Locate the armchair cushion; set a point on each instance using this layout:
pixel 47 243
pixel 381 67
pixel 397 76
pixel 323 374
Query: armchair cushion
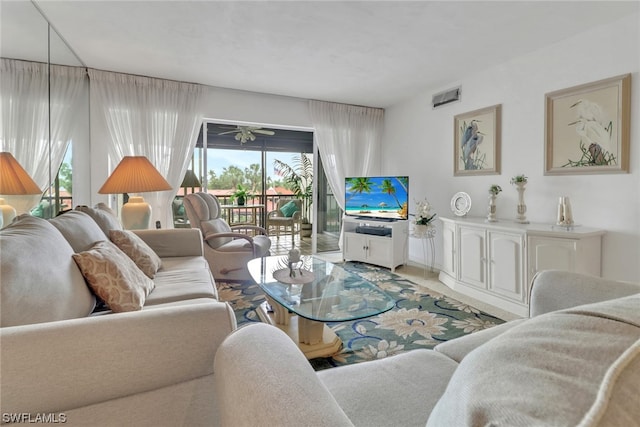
pixel 114 277
pixel 136 249
pixel 216 226
pixel 227 249
pixel 289 209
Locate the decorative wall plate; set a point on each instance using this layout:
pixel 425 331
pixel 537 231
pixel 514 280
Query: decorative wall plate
pixel 460 203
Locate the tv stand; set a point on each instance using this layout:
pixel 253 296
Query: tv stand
pixel 368 218
pixel 388 250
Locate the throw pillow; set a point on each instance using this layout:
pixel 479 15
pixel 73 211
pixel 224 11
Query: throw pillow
pixel 114 277
pixel 289 209
pixel 136 249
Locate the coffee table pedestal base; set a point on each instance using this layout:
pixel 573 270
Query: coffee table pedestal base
pixel 315 339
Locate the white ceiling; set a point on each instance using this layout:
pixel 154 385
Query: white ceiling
pixel 372 53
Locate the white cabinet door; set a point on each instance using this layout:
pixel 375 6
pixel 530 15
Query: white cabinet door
pixel 506 265
pixel 355 246
pixel 449 253
pixel 472 257
pixel 379 250
pixel 549 253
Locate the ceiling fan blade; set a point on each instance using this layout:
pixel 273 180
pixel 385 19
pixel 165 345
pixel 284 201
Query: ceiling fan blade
pixel 264 132
pixel 226 133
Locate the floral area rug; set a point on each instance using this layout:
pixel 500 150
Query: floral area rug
pixel 421 318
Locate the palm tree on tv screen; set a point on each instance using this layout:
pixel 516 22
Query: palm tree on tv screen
pixel 388 188
pixel 358 186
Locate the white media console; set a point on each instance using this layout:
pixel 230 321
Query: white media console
pixel 382 243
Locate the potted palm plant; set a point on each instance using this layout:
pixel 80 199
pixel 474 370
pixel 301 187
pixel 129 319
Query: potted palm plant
pixel 299 178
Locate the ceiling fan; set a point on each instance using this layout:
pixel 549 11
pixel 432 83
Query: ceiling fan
pixel 246 133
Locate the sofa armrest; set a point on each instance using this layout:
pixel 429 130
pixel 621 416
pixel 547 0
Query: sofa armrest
pixel 173 242
pixel 553 290
pixel 59 366
pixel 261 361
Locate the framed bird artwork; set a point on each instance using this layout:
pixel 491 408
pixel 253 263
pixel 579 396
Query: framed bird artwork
pixel 588 128
pixel 477 142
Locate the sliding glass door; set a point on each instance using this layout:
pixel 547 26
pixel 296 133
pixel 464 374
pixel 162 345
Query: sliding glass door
pixel 273 164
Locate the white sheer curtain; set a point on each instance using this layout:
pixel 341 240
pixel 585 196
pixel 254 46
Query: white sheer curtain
pixel 349 140
pixel 26 117
pixel 150 117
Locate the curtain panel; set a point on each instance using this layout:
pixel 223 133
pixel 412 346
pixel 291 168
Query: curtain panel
pixel 348 138
pixel 36 125
pixel 156 118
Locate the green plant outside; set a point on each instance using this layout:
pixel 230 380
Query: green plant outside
pixel 299 178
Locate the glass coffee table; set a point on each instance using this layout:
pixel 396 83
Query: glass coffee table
pixel 317 292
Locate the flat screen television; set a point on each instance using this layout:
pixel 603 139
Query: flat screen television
pixel 377 197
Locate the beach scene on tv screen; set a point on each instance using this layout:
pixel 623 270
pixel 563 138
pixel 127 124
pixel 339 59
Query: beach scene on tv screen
pixel 377 197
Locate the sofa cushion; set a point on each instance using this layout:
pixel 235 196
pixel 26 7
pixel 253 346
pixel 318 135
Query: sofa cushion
pixel 184 263
pixel 550 370
pixel 103 216
pixel 136 249
pixel 80 230
pixel 177 285
pixel 114 277
pixel 40 281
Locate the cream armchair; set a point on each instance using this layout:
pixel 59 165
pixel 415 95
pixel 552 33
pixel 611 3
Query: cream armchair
pixel 286 217
pixel 227 249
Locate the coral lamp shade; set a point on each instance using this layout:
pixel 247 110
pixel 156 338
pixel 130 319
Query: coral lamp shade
pixel 134 174
pixel 14 180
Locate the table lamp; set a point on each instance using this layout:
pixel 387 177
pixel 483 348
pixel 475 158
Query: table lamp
pixel 14 181
pixel 190 180
pixel 135 174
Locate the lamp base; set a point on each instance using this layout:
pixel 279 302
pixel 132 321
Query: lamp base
pixel 7 213
pixel 136 214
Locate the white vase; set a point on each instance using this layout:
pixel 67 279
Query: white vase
pixel 565 216
pixel 491 217
pixel 423 231
pixel 420 229
pixel 522 208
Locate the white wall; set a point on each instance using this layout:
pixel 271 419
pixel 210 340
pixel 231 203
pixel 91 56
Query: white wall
pixel 608 201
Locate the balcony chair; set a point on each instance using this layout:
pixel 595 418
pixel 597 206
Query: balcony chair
pixel 287 217
pixel 227 249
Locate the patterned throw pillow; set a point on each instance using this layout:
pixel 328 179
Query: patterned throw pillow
pixel 289 209
pixel 114 277
pixel 136 249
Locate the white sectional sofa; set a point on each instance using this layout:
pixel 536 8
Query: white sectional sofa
pixel 62 360
pixel 565 366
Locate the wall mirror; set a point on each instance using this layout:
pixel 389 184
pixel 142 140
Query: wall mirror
pixel 44 116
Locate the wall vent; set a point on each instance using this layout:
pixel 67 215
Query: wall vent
pixel 442 98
